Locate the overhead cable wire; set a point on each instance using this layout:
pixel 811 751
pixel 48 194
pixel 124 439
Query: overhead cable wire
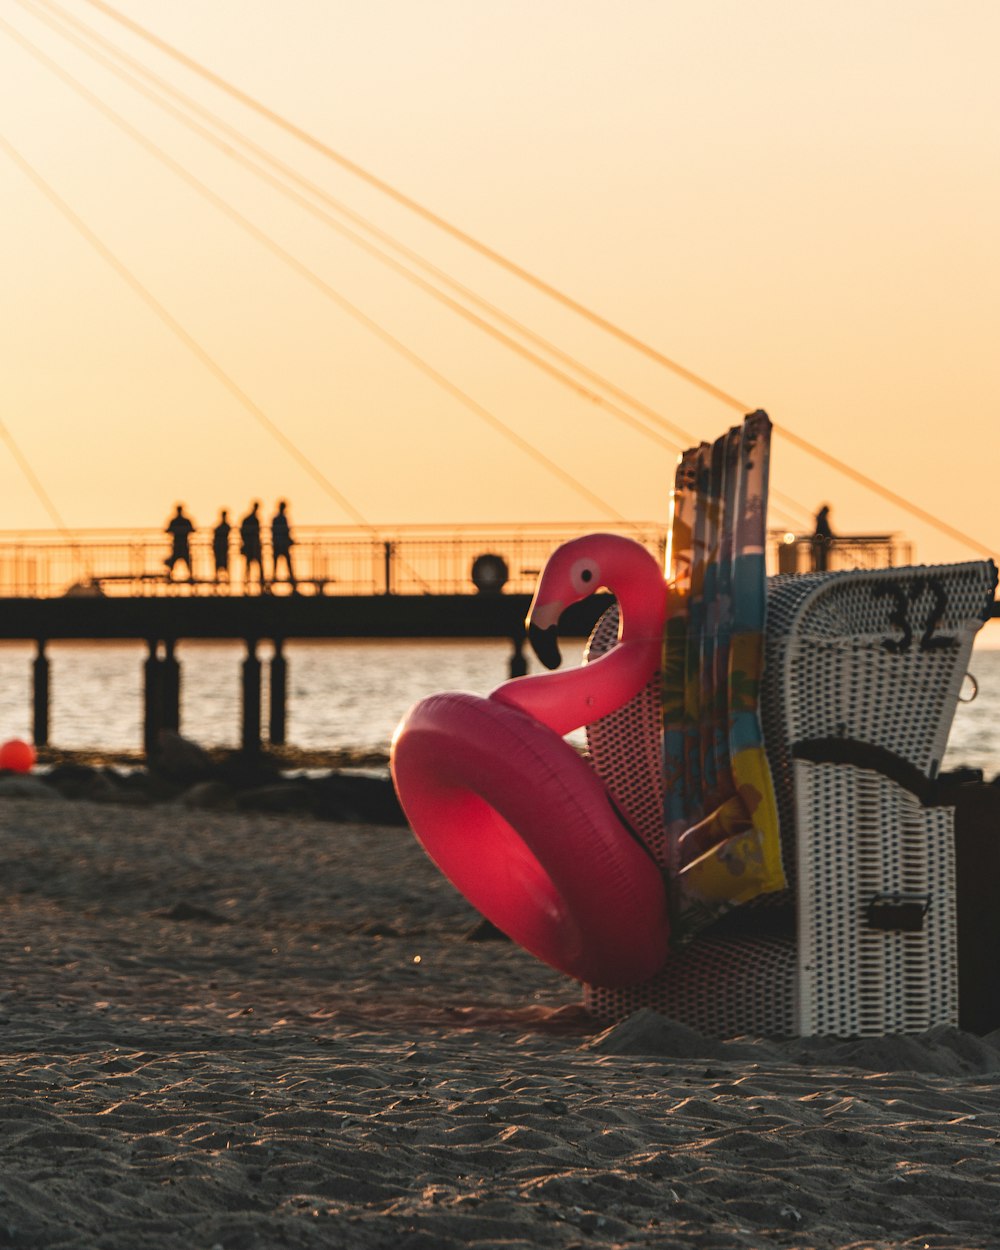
pixel 513 268
pixel 364 244
pixel 32 479
pixel 684 436
pixel 408 274
pixel 914 509
pixel 399 197
pixel 262 154
pixel 45 500
pixel 90 37
pixel 346 305
pixel 181 333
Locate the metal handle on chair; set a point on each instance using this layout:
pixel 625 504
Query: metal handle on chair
pixel 901 912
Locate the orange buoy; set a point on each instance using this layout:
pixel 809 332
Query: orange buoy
pixel 17 756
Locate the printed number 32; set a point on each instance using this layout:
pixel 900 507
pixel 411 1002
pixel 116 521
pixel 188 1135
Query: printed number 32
pixel 903 603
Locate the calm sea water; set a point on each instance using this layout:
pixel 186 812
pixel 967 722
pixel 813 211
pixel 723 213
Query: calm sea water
pixel 345 695
pixel 341 695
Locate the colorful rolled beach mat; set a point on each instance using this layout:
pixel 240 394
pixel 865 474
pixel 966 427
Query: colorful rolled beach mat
pixel 720 812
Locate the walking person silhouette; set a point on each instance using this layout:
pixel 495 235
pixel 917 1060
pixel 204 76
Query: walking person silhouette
pixel 180 528
pixel 281 544
pixel 822 539
pixel 250 547
pixel 220 546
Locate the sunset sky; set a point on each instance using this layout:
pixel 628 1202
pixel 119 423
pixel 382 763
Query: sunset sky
pixel 797 202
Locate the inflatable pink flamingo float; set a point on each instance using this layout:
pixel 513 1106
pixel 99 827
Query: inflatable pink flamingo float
pixel 512 814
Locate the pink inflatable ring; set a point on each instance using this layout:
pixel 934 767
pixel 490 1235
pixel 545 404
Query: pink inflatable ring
pixel 515 817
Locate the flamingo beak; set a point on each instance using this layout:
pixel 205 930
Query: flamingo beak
pixel 543 635
pixel 545 644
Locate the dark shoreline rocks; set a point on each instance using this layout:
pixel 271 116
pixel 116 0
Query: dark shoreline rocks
pixel 183 772
pixel 276 781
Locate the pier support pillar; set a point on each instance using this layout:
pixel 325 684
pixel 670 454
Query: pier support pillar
pixel 170 678
pixel 152 719
pixel 40 697
pixel 278 686
pixel 250 737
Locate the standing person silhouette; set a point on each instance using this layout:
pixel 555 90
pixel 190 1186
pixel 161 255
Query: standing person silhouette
pixel 180 529
pixel 822 540
pixel 281 544
pixel 220 546
pixel 250 546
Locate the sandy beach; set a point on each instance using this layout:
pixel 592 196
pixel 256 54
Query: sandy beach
pixel 234 1030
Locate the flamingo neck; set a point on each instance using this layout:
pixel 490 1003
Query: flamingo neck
pixel 569 700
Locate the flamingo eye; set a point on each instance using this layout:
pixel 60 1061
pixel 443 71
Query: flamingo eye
pixel 585 576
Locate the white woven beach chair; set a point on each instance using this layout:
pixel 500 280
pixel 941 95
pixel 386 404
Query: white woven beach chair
pixel 863 671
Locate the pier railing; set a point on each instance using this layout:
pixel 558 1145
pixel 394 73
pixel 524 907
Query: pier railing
pixel 327 560
pixel 339 560
pixel 802 553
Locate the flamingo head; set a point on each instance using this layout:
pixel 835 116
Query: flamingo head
pixel 575 571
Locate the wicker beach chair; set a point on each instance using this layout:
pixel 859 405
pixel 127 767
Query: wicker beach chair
pixel 861 675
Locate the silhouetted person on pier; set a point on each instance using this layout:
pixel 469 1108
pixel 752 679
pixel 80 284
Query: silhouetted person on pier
pixel 822 540
pixel 180 530
pixel 281 544
pixel 250 545
pixel 220 546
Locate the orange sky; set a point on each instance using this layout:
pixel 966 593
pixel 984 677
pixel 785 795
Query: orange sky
pixel 797 202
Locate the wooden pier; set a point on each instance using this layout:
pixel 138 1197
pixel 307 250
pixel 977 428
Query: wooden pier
pixel 163 622
pixel 412 582
pixel 402 582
